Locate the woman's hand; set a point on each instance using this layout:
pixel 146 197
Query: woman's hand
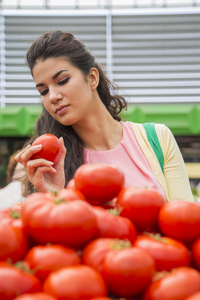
pixel 42 173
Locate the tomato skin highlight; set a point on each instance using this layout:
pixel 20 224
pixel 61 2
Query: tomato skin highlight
pixel 178 285
pixel 127 272
pixel 167 252
pixel 35 296
pixel 51 148
pixel 141 206
pixel 180 220
pixel 76 282
pixel 45 221
pixel 99 183
pixel 195 296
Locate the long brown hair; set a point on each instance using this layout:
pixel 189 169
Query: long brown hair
pixel 64 44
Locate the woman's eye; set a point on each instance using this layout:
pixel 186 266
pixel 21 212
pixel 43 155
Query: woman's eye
pixel 43 93
pixel 63 81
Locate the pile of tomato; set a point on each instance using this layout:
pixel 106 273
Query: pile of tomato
pixel 97 239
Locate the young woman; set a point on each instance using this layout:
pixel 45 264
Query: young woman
pixel 80 108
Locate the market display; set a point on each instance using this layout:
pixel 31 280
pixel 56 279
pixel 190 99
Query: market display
pixel 99 240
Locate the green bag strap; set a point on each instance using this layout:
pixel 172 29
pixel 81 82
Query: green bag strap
pixel 154 142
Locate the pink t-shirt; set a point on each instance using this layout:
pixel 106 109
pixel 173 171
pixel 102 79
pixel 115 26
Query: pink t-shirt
pixel 128 157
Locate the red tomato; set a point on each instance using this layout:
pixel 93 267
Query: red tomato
pixel 14 282
pixel 180 220
pixel 177 285
pixel 141 206
pixel 94 253
pixel 113 226
pixel 13 242
pixel 51 148
pixel 195 296
pixel 36 296
pixel 11 216
pixel 101 298
pixel 49 258
pixel 99 183
pixel 127 271
pixel 76 282
pixel 168 253
pixel 195 250
pixel 71 184
pixel 48 219
pixel 70 194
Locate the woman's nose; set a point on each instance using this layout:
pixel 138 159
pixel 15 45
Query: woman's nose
pixel 54 95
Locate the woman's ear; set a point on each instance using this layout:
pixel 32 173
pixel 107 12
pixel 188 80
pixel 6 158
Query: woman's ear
pixel 93 78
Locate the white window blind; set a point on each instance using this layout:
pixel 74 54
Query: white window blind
pixel 153 55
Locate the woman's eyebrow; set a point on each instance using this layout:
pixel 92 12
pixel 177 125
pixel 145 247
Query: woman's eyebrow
pixel 53 77
pixel 58 73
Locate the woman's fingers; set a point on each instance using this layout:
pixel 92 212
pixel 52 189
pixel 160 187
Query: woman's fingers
pixel 26 154
pixel 33 165
pixel 18 156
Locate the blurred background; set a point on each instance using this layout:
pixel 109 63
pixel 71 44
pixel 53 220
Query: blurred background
pixel 149 48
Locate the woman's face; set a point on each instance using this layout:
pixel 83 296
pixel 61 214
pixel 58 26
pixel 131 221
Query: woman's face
pixel 65 92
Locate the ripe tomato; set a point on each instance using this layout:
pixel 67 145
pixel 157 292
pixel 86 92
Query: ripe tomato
pixel 36 296
pixel 141 206
pixel 127 271
pixel 101 298
pixel 99 183
pixel 180 220
pixel 76 282
pixel 13 242
pixel 94 252
pixel 49 258
pixel 14 281
pixel 71 184
pixel 195 250
pixel 51 148
pixel 168 253
pixel 178 285
pixel 12 216
pixel 113 226
pixel 69 194
pixel 48 219
pixel 195 296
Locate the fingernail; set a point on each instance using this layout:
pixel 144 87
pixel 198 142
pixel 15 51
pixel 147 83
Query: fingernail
pixel 37 147
pixel 50 163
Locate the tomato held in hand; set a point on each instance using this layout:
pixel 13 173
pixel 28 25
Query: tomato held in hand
pixel 76 282
pixel 51 148
pixel 178 285
pixel 99 183
pixel 141 206
pixel 167 252
pixel 180 220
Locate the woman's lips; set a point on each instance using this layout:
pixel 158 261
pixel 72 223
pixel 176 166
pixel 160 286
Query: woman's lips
pixel 62 110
